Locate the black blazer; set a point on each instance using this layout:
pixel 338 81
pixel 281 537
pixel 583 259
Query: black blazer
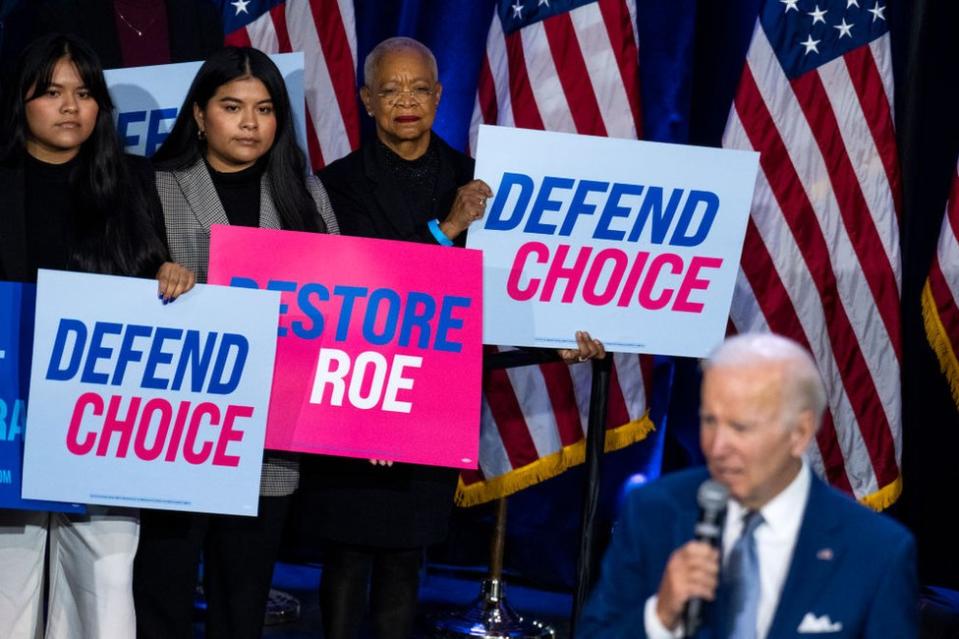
pixel 13 227
pixel 369 204
pixel 349 500
pixel 195 27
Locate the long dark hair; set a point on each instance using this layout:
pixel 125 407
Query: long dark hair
pixel 114 231
pixel 285 164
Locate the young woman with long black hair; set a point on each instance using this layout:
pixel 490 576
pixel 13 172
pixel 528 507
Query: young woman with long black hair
pixel 70 199
pixel 231 158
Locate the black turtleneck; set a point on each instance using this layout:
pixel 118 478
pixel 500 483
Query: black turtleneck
pixel 240 193
pixel 49 212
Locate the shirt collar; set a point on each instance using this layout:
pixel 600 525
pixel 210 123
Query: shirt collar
pixel 783 513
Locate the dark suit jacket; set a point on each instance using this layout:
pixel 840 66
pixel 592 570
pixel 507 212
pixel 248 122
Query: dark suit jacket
pixel 855 566
pixel 195 27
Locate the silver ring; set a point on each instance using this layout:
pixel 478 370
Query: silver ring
pixel 582 359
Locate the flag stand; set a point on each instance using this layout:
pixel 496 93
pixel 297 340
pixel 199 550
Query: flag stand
pixel 489 616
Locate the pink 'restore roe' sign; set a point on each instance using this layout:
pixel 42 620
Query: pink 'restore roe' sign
pixel 379 352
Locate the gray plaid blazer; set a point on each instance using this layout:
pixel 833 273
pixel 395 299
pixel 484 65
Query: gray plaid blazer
pixel 190 207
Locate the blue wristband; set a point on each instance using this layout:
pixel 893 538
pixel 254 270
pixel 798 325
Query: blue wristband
pixel 434 225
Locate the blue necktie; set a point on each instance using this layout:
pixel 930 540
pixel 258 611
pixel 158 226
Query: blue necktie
pixel 742 579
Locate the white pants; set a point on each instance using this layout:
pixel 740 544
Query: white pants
pixel 91 574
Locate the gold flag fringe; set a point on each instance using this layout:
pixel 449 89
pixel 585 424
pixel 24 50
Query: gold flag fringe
pixel 939 341
pixel 549 466
pixel 884 497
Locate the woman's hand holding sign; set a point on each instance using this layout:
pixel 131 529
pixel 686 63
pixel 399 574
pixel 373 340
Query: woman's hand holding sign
pixel 586 348
pixel 469 206
pixel 174 280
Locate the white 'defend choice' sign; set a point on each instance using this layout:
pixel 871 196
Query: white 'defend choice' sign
pixel 147 100
pixel 636 242
pixel 136 403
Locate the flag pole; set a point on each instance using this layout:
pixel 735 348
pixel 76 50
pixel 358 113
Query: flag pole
pixel 489 616
pixel 595 447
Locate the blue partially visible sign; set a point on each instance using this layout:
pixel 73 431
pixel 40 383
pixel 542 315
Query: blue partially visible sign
pixel 17 304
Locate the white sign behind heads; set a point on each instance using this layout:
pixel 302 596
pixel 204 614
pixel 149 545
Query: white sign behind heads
pixel 148 99
pixel 636 242
pixel 134 403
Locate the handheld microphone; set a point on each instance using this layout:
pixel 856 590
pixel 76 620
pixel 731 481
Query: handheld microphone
pixel 712 497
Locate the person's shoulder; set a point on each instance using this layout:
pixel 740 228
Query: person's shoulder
pixel 140 170
pixel 462 162
pixel 342 168
pixel 670 489
pixel 170 180
pixel 171 169
pixel 10 168
pixel 860 522
pixel 138 165
pixel 314 186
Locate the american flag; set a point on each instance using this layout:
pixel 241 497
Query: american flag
pixel 571 66
pixel 821 258
pixel 325 31
pixel 940 296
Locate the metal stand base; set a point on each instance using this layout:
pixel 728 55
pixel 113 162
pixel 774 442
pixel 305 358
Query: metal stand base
pixel 490 617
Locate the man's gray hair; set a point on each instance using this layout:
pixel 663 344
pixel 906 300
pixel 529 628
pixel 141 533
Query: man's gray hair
pixel 393 45
pixel 802 385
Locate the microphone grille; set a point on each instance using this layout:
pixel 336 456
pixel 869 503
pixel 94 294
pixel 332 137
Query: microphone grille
pixel 712 496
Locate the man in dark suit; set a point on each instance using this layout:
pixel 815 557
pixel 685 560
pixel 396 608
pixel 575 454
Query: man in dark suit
pixel 797 558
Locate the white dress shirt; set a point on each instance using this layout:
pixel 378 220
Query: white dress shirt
pixel 775 541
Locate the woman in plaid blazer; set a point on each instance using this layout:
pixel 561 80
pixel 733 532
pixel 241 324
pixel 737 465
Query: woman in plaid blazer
pixel 231 158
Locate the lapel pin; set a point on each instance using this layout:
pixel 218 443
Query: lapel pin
pixel 825 554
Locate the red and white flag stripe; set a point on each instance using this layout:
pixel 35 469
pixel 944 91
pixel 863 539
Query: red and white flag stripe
pixel 597 93
pixel 940 297
pixel 325 31
pixel 821 260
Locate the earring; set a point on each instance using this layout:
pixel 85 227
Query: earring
pixel 200 134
